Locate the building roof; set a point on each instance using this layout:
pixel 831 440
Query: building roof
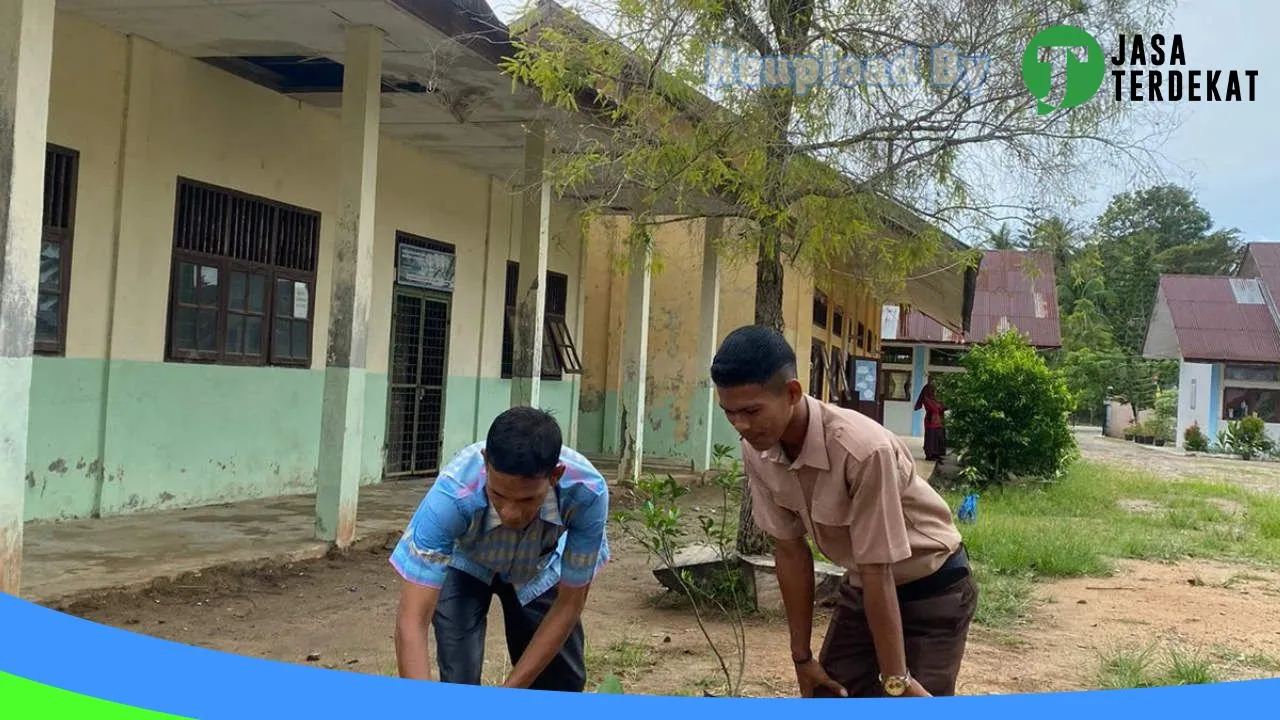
pixel 1016 289
pixel 1219 318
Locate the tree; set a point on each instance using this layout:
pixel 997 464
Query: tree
pixel 820 173
pixel 1141 235
pixel 861 171
pixel 1007 413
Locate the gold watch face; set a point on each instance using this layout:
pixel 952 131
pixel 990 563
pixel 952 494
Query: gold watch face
pixel 895 686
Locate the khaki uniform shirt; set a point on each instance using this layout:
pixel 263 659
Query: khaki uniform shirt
pixel 854 489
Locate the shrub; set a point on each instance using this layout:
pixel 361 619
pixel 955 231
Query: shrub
pixel 1194 439
pixel 1007 414
pixel 1246 437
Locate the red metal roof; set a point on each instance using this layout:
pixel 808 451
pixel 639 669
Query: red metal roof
pixel 1219 318
pixel 1016 289
pixel 1262 261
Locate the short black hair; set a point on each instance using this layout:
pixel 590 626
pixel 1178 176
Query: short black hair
pixel 524 441
pixel 753 355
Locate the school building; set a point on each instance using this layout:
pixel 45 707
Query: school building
pixel 1016 289
pixel 254 249
pixel 1224 331
pixel 651 328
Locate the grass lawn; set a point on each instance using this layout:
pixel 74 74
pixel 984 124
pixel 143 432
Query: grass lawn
pixel 1097 514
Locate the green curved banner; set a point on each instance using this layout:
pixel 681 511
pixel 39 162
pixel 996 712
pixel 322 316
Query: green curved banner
pixel 23 699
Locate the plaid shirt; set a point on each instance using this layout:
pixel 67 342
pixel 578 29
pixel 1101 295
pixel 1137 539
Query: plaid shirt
pixel 454 526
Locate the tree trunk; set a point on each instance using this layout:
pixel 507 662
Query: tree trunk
pixel 751 540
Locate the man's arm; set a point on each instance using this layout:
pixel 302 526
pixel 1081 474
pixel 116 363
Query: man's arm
pixel 793 564
pixel 413 654
pixel 880 602
pixel 422 559
pixel 879 540
pixel 585 551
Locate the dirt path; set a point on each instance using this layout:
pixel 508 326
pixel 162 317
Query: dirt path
pixel 1175 465
pixel 342 611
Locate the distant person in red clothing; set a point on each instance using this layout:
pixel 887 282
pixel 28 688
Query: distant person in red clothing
pixel 935 435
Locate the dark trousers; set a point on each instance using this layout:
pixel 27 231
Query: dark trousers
pixel 935 629
pixel 461 618
pixel 935 443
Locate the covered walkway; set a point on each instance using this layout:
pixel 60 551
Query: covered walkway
pixel 66 560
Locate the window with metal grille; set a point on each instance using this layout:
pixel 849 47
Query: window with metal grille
pixel 559 353
pixel 836 371
pixel 244 276
pixel 817 369
pixel 819 308
pixel 61 171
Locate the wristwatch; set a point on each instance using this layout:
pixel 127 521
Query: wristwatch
pixel 896 685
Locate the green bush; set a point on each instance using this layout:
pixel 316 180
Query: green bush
pixel 1007 414
pixel 1194 439
pixel 1246 437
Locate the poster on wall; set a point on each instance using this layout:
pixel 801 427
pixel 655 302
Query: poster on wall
pixel 864 382
pixel 425 268
pixel 889 318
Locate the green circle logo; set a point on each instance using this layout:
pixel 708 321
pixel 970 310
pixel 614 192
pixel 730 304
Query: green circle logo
pixel 1083 75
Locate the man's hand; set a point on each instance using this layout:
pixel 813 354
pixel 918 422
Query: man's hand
pixel 810 676
pixel 417 607
pixel 915 689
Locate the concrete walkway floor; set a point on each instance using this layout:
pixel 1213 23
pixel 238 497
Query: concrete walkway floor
pixel 64 559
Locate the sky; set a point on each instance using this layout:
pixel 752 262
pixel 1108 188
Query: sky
pixel 1226 154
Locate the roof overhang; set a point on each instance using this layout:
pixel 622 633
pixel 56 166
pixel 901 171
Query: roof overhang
pixel 443 90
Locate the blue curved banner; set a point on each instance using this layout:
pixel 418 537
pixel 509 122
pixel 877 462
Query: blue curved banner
pixel 56 665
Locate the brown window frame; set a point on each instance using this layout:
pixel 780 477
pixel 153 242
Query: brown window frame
pixel 60 233
pixel 559 352
pixel 305 251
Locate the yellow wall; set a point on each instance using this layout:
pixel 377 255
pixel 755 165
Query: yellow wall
pixel 185 118
pixel 139 433
pixel 857 305
pixel 675 321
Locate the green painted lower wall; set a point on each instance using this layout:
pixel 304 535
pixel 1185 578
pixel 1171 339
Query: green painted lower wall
pixel 64 436
pixel 471 404
pixel 592 408
pixel 672 428
pixel 176 435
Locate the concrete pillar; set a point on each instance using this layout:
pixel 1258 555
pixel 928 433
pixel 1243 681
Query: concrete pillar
pixel 26 56
pixel 531 297
pixel 579 332
pixel 919 375
pixel 342 413
pixel 635 361
pixel 704 415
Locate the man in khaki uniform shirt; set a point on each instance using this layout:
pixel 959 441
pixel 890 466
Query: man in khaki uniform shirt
pixel 813 468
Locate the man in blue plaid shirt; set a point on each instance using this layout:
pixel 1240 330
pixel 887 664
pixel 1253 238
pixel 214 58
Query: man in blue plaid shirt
pixel 519 516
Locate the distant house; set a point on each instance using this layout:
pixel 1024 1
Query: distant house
pixel 1016 289
pixel 1225 333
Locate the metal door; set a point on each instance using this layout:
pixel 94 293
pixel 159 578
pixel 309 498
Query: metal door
pixel 415 403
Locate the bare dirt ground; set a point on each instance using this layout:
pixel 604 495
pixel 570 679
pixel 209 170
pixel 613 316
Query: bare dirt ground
pixel 339 613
